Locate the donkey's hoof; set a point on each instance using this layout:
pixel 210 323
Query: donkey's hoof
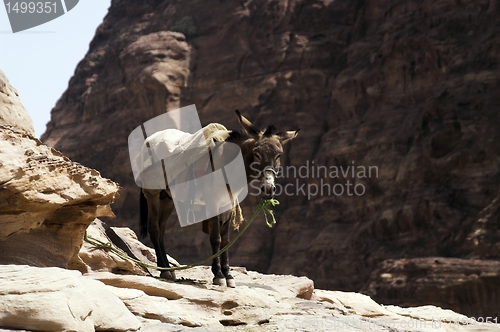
pixel 230 282
pixel 168 275
pixel 220 281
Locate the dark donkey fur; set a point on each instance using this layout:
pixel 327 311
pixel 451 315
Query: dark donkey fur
pixel 261 149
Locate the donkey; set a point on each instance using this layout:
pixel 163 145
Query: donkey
pixel 261 151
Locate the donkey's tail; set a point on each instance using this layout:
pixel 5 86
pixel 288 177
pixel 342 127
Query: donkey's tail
pixel 143 212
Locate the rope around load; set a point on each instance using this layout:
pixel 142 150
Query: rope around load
pixel 263 206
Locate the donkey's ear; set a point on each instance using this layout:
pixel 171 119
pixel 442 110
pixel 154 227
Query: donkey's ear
pixel 288 135
pixel 251 130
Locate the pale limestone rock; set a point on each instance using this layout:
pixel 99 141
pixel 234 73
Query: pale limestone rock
pixel 46 202
pixel 108 312
pixel 365 306
pixel 267 303
pixel 444 315
pixel 182 312
pixel 53 299
pixel 12 112
pixel 100 260
pixel 107 301
pixel 103 260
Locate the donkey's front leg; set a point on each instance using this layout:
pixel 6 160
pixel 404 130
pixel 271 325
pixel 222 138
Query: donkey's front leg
pixel 224 233
pixel 215 241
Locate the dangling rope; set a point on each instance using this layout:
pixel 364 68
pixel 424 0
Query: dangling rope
pixel 262 206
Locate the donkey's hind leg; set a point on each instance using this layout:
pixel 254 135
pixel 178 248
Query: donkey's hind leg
pixel 166 208
pixel 157 208
pixel 215 241
pixel 224 232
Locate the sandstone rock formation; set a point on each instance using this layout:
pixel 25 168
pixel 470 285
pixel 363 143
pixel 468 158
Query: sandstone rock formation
pixel 46 200
pixel 12 112
pixel 407 86
pixel 485 234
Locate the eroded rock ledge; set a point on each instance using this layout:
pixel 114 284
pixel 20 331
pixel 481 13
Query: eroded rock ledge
pixel 46 202
pixel 58 299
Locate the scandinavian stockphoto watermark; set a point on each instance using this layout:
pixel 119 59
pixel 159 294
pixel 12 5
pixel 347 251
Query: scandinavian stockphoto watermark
pixel 27 14
pixel 312 180
pixel 357 323
pixel 205 177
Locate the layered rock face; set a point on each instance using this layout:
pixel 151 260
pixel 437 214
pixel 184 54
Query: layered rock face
pixel 469 285
pixel 407 87
pixel 486 232
pixel 46 200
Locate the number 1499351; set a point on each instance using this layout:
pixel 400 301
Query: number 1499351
pixel 31 7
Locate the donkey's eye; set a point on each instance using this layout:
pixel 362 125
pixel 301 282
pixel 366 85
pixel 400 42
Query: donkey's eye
pixel 256 156
pixel 278 157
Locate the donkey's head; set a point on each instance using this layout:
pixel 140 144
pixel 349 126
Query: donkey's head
pixel 262 154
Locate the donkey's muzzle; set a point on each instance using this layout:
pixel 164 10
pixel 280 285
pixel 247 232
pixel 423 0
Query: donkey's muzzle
pixel 267 187
pixel 267 190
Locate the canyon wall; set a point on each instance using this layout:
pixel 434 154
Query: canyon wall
pixel 407 87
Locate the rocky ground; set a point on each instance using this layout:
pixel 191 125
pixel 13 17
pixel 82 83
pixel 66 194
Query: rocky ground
pixel 129 299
